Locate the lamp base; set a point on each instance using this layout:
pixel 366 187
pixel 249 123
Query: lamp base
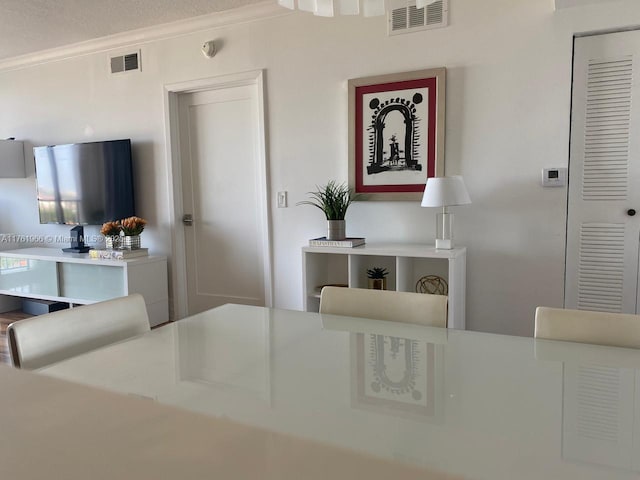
pixel 444 231
pixel 444 243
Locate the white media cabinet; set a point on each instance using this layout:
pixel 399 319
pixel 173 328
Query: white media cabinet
pixel 74 278
pixel 406 264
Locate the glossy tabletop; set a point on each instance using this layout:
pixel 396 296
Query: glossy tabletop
pixel 52 429
pixel 472 405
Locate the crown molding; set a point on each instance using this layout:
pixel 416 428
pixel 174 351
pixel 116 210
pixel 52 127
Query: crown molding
pixel 249 13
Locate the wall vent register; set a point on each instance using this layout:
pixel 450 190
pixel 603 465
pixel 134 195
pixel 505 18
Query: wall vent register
pixel 404 17
pixel 125 63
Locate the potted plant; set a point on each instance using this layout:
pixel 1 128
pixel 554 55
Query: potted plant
pixel 111 232
pixel 333 199
pixel 132 227
pixel 377 278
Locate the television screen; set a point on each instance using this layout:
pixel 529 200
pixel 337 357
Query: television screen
pixel 85 183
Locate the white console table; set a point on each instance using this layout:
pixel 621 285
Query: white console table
pixel 406 264
pixel 74 278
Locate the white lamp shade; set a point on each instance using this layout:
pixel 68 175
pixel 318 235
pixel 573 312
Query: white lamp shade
pixel 307 5
pixel 324 8
pixel 424 3
pixel 287 3
pixel 349 7
pixel 444 192
pixel 329 8
pixel 373 8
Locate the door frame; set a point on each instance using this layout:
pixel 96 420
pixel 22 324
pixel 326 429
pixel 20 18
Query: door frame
pixel 178 274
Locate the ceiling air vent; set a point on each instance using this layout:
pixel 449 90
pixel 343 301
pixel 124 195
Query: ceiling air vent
pixel 404 17
pixel 125 63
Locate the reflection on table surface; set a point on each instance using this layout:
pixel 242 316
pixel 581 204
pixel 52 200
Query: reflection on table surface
pixel 477 405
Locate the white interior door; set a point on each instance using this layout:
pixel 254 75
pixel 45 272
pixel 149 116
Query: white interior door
pixel 604 175
pixel 222 192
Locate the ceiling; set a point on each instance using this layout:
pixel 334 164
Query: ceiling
pixel 28 26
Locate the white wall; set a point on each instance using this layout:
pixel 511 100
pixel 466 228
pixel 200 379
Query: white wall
pixel 508 104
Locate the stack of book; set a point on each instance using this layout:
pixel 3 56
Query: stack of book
pixel 108 254
pixel 348 242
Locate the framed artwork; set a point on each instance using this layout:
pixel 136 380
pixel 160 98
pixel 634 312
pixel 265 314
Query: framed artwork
pixel 396 133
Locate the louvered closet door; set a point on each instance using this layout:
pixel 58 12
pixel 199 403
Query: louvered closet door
pixel 604 175
pixel 598 415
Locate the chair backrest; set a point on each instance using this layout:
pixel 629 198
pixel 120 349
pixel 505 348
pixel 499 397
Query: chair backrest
pixel 388 305
pixel 600 328
pixel 46 339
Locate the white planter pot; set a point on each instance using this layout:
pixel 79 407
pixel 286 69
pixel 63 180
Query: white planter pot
pixel 131 242
pixel 112 242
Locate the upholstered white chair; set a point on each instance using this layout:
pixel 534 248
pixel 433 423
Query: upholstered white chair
pixel 601 328
pixel 385 305
pixel 46 339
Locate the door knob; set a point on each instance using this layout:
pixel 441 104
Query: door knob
pixel 631 212
pixel 187 219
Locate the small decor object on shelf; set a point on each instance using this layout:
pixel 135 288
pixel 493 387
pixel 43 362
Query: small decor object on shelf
pixel 110 254
pixel 132 227
pixel 348 242
pixel 111 233
pixel 77 241
pixel 333 199
pixel 377 278
pixel 432 284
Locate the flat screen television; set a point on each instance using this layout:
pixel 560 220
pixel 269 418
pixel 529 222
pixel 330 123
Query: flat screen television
pixel 85 183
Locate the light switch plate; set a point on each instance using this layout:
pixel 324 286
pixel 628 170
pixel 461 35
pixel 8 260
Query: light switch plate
pixel 282 200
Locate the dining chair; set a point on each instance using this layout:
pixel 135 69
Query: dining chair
pixel 584 326
pixel 46 339
pixel 385 305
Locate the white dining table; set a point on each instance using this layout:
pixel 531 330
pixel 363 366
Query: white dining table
pixel 460 403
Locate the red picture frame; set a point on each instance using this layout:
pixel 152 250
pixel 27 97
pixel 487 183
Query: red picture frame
pixel 396 133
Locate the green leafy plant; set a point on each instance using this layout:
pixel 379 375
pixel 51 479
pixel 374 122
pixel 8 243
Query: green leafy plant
pixel 333 199
pixel 377 272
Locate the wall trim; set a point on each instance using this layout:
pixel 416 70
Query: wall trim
pixel 249 13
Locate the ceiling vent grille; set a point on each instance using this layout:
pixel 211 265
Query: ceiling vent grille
pixel 125 63
pixel 404 17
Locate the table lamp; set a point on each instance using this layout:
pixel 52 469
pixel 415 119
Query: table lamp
pixel 445 192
